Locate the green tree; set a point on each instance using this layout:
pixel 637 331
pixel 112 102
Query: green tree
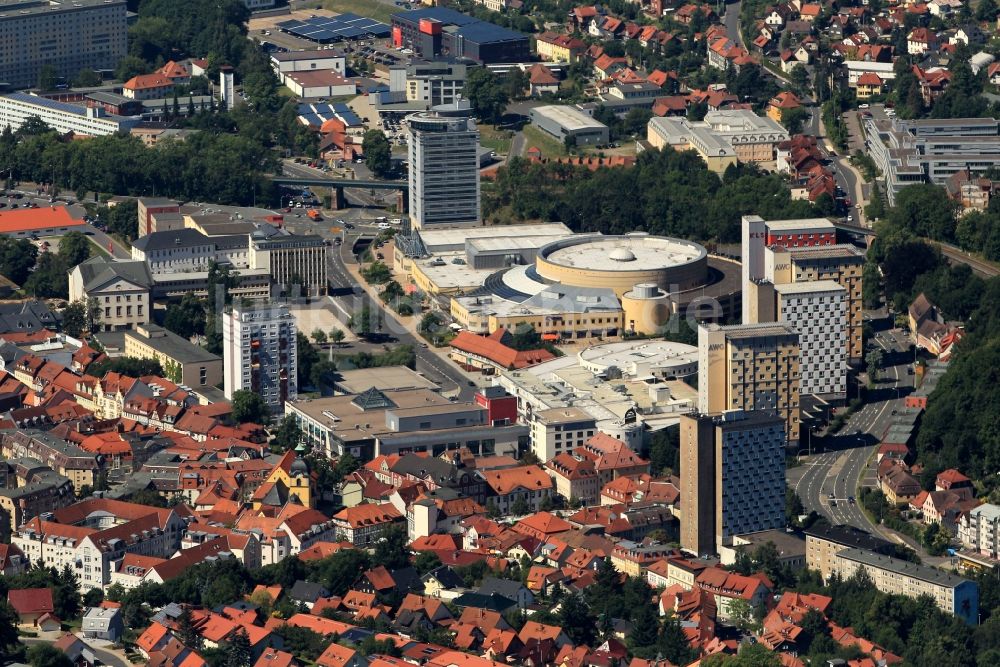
pixel 986 11
pixel 306 355
pixel 17 258
pixel 336 336
pixel 672 643
pixel 47 655
pixel 288 434
pixel 516 83
pixel 186 318
pixel 74 248
pixel 48 280
pixel 365 322
pixel 577 621
pixel 250 407
pixel 664 450
pixel 319 336
pixel 487 94
pixel 376 273
pixel 794 119
pixel 800 78
pixel 873 363
pixel 378 152
pixel 741 614
pixel 87 78
pixel 323 373
pixel 645 628
pixel 74 318
pixel 9 642
pixel 238 650
pixel 391 550
pixel 130 366
pixel 187 632
pixel 48 78
pixel 93 598
pixel 520 507
pixel 426 561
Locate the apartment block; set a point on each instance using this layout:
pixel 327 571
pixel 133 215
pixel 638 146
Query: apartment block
pixel 182 361
pixel 979 530
pixel 560 430
pixel 824 542
pixel 84 34
pixel 44 493
pixel 750 367
pixel 732 477
pixel 80 466
pixel 817 311
pixel 950 592
pixel 444 166
pixel 842 263
pixel 92 535
pixel 259 353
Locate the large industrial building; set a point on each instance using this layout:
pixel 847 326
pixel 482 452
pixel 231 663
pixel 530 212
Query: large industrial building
pixel 566 122
pixel 931 150
pixel 732 477
pixel 444 167
pixel 70 36
pixel 439 31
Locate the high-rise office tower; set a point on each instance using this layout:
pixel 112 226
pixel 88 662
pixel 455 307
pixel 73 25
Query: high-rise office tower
pixel 817 311
pixel 259 353
pixel 750 367
pixel 843 263
pixel 444 166
pixel 732 476
pixel 759 234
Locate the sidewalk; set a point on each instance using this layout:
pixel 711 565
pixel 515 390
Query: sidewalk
pixel 844 163
pixel 408 323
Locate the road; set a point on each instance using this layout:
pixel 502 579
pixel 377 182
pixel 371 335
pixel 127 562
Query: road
pixel 106 657
pixel 826 481
pixel 350 297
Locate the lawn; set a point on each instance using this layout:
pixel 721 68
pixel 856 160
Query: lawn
pixel 543 142
pixel 97 250
pixel 494 139
pixel 375 9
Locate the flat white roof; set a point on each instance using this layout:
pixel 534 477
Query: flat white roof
pixel 625 253
pixel 570 118
pixel 809 287
pixel 459 235
pixel 804 224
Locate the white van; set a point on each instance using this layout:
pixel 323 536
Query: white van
pixel 384 225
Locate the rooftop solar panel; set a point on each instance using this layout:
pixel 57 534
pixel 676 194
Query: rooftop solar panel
pixel 344 26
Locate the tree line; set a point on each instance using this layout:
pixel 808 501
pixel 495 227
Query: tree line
pixel 959 427
pixel 666 192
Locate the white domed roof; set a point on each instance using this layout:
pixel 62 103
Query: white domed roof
pixel 622 255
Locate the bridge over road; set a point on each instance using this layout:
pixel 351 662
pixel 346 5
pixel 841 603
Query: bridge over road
pixel 337 186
